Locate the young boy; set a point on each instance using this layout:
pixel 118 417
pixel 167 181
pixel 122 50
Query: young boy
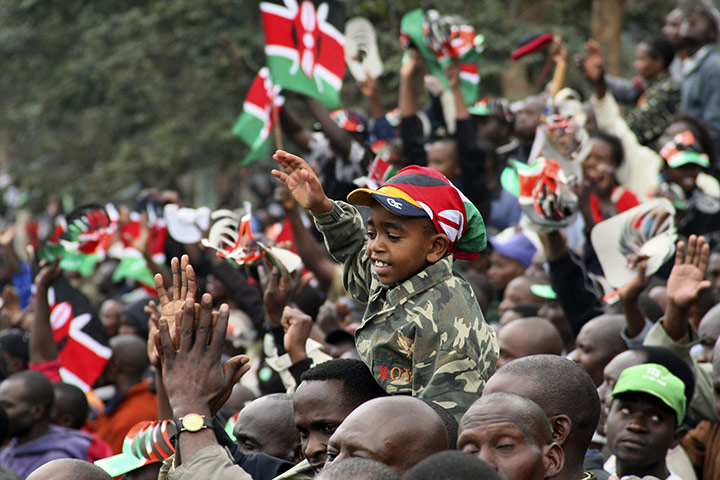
pixel 644 421
pixel 422 332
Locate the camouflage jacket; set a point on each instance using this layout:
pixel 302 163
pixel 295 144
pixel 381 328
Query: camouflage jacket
pixel 655 109
pixel 425 336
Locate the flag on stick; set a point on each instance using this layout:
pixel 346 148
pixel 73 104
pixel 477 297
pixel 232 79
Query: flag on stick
pixel 305 46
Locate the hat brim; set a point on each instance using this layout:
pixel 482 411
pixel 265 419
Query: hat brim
pixel 393 204
pixel 121 464
pixel 543 291
pixel 479 111
pixel 685 158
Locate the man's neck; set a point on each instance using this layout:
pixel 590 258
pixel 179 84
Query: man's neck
pixel 573 467
pixel 572 471
pixel 691 50
pixel 659 470
pixel 37 431
pixel 124 384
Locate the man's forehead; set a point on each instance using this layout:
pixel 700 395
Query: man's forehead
pixel 514 382
pixel 490 418
pixel 318 388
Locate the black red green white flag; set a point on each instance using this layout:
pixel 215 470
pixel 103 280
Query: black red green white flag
pixel 305 46
pixel 255 124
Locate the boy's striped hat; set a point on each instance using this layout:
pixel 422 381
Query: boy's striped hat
pixel 424 192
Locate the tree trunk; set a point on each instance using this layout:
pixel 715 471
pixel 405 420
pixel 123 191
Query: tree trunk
pixel 515 80
pixel 606 27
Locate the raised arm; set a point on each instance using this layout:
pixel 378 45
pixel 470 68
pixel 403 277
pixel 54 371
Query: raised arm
pixel 311 251
pixel 629 295
pixel 369 89
pixel 559 54
pixel 42 343
pixel 340 140
pixel 196 380
pixel 302 182
pixel 293 128
pixel 592 66
pixel 685 284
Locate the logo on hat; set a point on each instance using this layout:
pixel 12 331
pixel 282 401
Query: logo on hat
pixel 394 203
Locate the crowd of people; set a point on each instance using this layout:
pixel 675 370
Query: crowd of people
pixel 437 327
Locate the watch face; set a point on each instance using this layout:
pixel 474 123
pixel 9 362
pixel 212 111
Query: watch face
pixel 193 422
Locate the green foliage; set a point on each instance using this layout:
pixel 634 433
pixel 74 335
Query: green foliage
pixel 98 97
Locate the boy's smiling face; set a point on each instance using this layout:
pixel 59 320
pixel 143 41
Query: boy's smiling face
pixel 399 247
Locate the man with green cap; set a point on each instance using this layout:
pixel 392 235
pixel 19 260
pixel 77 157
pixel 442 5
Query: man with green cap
pixel 423 333
pixel 645 420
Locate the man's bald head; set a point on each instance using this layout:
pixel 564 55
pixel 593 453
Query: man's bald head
pixel 519 422
pixel 597 343
pixel 562 389
pixel 383 428
pixel 716 376
pixel 129 353
pixel 528 336
pixel 709 331
pixel 358 469
pixel 267 425
pixel 69 469
pixel 512 408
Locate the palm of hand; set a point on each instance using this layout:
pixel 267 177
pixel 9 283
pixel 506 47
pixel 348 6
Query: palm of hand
pixel 684 284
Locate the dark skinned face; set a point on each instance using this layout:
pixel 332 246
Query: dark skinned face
pixel 319 409
pixel 494 434
pixel 640 429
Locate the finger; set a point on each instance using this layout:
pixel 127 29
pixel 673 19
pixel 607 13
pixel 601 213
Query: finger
pixel 680 253
pixel 175 267
pixel 689 255
pixel 286 319
pixel 192 286
pixel 642 268
pixel 160 288
pixel 235 368
pixel 187 317
pixel 163 342
pixel 703 285
pixel 703 258
pixel 275 276
pixel 282 176
pixel 184 262
pixel 293 161
pixel 205 321
pixel 218 337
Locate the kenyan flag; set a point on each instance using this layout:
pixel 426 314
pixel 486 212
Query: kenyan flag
pixel 255 123
pixel 469 82
pixel 440 42
pixel 305 47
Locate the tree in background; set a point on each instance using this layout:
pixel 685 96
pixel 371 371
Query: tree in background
pixel 101 99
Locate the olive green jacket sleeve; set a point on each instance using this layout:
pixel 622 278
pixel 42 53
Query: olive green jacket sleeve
pixel 345 239
pixel 211 463
pixel 702 406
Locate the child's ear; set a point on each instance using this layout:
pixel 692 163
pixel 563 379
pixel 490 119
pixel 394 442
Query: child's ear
pixel 438 247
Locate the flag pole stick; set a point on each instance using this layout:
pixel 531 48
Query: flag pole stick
pixel 278 131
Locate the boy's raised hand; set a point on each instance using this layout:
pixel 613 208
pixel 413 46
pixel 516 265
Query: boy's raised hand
pixel 302 182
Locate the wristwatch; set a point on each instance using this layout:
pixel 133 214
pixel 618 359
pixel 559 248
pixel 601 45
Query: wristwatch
pixel 192 422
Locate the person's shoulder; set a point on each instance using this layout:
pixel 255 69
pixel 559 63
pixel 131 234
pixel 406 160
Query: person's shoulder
pixel 712 61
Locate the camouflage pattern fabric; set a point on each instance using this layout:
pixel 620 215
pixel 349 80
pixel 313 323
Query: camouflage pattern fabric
pixel 424 337
pixel 655 109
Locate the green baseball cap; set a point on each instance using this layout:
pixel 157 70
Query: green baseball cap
pixel 655 380
pixel 543 291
